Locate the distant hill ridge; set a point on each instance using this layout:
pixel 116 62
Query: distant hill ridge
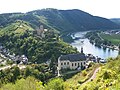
pixel 62 20
pixel 116 20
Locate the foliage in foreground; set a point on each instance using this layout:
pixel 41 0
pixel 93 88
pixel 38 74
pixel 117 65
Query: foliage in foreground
pixel 108 78
pixel 24 84
pixel 39 72
pixel 77 80
pixel 33 84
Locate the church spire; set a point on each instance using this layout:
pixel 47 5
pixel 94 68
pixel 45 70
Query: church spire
pixel 81 49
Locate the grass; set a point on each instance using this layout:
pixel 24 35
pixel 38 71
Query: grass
pixel 114 38
pixel 81 77
pixel 17 27
pixel 23 28
pixel 108 77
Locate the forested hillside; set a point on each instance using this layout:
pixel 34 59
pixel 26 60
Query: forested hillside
pixel 116 20
pixel 20 39
pixel 61 20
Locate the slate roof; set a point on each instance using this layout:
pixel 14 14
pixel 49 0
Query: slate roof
pixel 73 57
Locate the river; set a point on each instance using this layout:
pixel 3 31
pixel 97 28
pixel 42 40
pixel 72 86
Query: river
pixel 89 48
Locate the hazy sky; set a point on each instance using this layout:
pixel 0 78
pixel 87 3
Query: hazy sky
pixel 103 8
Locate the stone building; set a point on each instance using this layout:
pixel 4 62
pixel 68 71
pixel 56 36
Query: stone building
pixel 41 31
pixel 72 61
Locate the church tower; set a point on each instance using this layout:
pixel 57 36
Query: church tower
pixel 40 30
pixel 81 49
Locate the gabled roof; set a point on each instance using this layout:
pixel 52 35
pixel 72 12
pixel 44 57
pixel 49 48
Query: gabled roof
pixel 73 57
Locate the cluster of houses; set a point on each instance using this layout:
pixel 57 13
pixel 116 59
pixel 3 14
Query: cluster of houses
pixel 112 32
pixel 19 59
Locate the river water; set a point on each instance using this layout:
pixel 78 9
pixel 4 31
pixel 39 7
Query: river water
pixel 89 48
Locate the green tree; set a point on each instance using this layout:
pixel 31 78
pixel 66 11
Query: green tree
pixel 53 64
pixel 16 73
pixel 29 83
pixel 55 84
pixel 27 72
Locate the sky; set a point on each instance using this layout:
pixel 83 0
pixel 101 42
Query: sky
pixel 102 8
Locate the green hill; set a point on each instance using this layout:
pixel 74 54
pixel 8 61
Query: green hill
pixel 116 20
pixel 61 20
pixel 20 39
pixel 107 78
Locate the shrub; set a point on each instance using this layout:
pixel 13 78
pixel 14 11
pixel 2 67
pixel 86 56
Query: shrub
pixel 55 84
pixel 84 73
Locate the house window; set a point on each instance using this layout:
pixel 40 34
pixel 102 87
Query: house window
pixel 61 63
pixel 75 64
pixel 64 63
pixel 72 64
pixel 67 63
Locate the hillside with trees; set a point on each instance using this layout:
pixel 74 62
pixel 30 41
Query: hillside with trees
pixel 20 39
pixel 107 78
pixel 60 20
pixel 18 35
pixel 116 20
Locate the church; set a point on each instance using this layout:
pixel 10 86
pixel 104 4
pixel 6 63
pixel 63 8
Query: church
pixel 72 61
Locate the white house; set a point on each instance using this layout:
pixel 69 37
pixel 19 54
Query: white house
pixel 72 61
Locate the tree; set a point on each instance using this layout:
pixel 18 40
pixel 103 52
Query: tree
pixel 52 64
pixel 16 73
pixel 106 75
pixel 55 84
pixel 27 72
pixel 105 42
pixel 29 83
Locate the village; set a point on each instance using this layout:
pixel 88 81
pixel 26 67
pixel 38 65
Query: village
pixel 75 62
pixel 5 55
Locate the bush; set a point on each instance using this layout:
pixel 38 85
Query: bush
pixel 84 73
pixel 24 84
pixel 55 84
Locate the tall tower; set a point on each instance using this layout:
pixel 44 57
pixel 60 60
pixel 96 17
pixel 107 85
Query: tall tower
pixel 81 49
pixel 40 30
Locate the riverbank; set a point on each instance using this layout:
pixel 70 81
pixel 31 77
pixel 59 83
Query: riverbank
pixel 100 39
pixel 89 48
pixel 111 47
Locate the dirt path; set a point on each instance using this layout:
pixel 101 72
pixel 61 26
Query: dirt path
pixel 93 76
